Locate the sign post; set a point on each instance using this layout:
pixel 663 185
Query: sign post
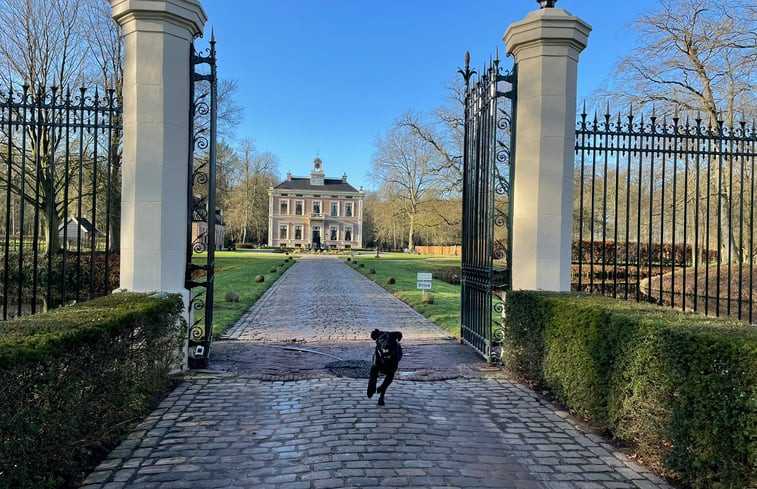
pixel 424 281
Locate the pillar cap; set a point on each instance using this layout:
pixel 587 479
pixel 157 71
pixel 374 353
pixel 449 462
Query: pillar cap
pixel 185 13
pixel 549 26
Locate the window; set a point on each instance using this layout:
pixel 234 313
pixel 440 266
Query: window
pixel 298 207
pixel 348 234
pixel 298 232
pixel 284 209
pixel 348 209
pixel 283 231
pixel 335 208
pixel 316 207
pixel 333 234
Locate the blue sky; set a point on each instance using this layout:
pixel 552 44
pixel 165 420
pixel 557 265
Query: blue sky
pixel 327 77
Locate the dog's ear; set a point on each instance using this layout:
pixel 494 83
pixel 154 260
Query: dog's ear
pixel 375 334
pixel 397 335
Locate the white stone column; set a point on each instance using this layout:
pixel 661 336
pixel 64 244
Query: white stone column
pixel 157 36
pixel 545 45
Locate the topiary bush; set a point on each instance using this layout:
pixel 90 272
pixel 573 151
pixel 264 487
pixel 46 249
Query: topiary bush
pixel 274 270
pixel 391 281
pixel 427 297
pixel 231 296
pixel 679 387
pixel 361 265
pixel 259 278
pixel 372 271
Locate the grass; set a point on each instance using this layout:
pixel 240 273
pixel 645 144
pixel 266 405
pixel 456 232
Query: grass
pixel 403 267
pixel 235 271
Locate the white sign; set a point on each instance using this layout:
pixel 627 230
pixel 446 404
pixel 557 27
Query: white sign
pixel 424 276
pixel 424 285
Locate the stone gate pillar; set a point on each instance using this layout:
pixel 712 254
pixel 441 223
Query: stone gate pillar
pixel 545 45
pixel 157 36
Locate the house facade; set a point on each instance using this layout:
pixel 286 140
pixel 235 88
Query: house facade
pixel 315 212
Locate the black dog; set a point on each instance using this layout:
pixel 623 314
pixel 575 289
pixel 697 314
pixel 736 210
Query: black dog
pixel 386 359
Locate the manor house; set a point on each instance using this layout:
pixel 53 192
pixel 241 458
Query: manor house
pixel 315 212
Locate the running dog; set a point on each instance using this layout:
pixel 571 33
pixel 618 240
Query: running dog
pixel 386 359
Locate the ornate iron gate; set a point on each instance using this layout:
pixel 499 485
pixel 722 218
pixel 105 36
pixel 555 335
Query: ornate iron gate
pixel 201 204
pixel 487 179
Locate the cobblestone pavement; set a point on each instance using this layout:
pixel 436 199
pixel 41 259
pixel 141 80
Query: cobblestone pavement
pixel 269 414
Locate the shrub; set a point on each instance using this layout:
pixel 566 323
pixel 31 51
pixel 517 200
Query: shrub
pixel 449 274
pixel 391 280
pixel 274 269
pixel 231 296
pixel 427 297
pixel 259 278
pixel 91 369
pixel 361 265
pixel 372 270
pixel 349 259
pixel 679 387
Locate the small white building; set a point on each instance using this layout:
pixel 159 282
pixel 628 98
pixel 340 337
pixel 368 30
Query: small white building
pixel 315 212
pixel 75 228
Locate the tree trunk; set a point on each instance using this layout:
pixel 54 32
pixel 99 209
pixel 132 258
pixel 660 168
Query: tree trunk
pixel 411 231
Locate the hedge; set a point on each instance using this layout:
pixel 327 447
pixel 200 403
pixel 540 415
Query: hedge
pixel 680 388
pixel 74 378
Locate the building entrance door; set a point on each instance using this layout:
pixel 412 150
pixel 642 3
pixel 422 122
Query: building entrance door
pixel 317 237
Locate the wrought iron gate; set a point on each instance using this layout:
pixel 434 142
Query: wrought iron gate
pixel 487 179
pixel 201 204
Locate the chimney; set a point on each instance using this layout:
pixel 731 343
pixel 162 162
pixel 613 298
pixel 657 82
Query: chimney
pixel 289 176
pixel 344 178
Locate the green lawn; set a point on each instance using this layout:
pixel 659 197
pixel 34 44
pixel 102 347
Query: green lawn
pixel 235 272
pixel 403 267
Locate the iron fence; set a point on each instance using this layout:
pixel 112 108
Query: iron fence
pixel 60 185
pixel 664 211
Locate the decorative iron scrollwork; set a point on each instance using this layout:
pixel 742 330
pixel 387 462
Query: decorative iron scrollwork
pixel 201 204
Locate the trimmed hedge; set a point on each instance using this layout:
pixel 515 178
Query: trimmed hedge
pixel 75 377
pixel 680 388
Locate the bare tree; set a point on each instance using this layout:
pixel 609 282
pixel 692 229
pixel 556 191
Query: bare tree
pixel 700 56
pixel 46 44
pixel 405 168
pixel 247 208
pixel 443 131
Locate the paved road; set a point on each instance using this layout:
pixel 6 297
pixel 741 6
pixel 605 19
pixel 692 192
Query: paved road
pixel 272 413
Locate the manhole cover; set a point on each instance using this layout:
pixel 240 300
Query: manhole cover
pixel 356 369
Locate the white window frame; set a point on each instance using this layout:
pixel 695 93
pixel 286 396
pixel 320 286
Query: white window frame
pixel 348 229
pixel 333 233
pixel 349 209
pixel 285 229
pixel 297 227
pixel 332 213
pixel 302 207
pixel 320 206
pixel 286 202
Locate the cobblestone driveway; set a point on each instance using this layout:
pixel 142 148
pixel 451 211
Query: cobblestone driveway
pixel 270 414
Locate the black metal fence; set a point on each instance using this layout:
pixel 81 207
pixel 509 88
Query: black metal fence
pixel 60 190
pixel 664 212
pixel 487 178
